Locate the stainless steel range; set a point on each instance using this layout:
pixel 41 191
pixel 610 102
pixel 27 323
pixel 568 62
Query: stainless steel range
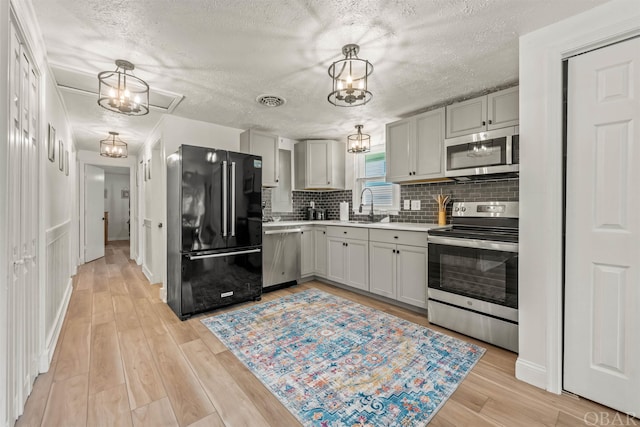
pixel 473 272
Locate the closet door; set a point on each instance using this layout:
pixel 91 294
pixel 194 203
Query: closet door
pixel 23 291
pixel 602 283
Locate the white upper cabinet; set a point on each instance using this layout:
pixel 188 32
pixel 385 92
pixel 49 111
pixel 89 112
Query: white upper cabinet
pixel 494 111
pixel 266 145
pixel 414 147
pixel 319 165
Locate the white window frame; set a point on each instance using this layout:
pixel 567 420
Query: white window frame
pixel 359 181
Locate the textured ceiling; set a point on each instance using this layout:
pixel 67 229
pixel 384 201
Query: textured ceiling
pixel 222 54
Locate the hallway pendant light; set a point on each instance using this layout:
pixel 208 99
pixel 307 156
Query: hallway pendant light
pixel 358 142
pixel 122 92
pixel 350 79
pixel 113 146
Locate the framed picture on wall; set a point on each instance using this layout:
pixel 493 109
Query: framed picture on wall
pixel 61 155
pixel 51 143
pixel 66 163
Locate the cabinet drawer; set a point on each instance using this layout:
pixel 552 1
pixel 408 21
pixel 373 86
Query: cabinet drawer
pixel 348 232
pixel 412 238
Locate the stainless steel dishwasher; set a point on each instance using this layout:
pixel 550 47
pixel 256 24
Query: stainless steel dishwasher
pixel 280 256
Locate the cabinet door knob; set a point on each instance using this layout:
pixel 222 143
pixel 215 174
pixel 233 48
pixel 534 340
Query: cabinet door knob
pixel 324 232
pixel 394 251
pixel 344 232
pixel 397 252
pixel 395 237
pixel 490 121
pixel 484 123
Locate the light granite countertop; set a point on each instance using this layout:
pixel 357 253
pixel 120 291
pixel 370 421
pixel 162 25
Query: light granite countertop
pixel 404 226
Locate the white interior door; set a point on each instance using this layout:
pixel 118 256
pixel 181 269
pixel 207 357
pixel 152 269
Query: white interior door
pixel 23 215
pixel 157 215
pixel 602 289
pixel 93 212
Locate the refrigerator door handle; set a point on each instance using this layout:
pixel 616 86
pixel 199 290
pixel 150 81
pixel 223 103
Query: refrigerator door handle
pixel 224 254
pixel 224 198
pixel 233 199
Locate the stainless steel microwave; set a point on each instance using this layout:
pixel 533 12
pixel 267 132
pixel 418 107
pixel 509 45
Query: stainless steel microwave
pixel 485 153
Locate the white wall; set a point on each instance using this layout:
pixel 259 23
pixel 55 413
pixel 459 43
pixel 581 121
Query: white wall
pixel 178 130
pixel 541 212
pixel 117 206
pixel 57 186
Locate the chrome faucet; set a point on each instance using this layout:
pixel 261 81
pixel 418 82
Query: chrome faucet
pixel 371 210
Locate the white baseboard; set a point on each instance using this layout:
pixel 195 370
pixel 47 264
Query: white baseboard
pixel 163 294
pixel 147 274
pixel 52 340
pixel 531 373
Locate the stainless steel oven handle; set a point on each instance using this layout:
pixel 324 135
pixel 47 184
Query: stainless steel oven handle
pixel 287 231
pixel 223 254
pixel 224 198
pixel 474 243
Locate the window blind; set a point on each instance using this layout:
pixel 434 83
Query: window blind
pixel 374 179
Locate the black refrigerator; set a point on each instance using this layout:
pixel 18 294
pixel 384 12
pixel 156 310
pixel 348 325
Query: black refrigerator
pixel 214 229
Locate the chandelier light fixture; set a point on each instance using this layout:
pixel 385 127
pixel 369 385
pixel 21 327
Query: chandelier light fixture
pixel 358 142
pixel 122 92
pixel 112 146
pixel 350 79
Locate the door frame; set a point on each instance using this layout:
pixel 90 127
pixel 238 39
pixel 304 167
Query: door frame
pixel 94 159
pixel 158 177
pixel 541 194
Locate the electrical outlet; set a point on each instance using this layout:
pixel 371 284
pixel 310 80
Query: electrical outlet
pixel 415 205
pixel 407 204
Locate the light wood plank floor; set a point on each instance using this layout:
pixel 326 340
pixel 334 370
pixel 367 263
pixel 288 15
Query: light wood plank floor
pixel 124 359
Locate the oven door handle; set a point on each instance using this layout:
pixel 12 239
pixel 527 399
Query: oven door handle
pixel 286 231
pixel 474 243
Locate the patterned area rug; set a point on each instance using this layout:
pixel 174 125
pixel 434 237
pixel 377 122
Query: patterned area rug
pixel 336 363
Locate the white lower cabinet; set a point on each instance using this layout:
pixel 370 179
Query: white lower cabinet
pixel 411 275
pixel 382 270
pixel 307 252
pixel 320 256
pixel 347 257
pixel 384 262
pixel 399 271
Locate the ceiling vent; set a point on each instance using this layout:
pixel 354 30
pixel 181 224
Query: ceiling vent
pixel 270 100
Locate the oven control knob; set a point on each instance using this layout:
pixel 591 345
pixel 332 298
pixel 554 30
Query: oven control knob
pixel 457 209
pixel 469 302
pixel 464 209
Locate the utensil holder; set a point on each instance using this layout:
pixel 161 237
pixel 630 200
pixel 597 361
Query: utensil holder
pixel 442 218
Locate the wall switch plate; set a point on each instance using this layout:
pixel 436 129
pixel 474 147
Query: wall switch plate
pixel 407 204
pixel 415 205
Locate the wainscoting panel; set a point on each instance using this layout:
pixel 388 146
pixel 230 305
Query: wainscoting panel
pixel 147 252
pixel 57 286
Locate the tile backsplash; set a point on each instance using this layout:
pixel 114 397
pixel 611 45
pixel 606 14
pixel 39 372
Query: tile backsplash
pixel 503 190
